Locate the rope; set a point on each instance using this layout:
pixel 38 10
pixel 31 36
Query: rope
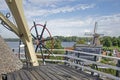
pixel 5 26
pixel 7 12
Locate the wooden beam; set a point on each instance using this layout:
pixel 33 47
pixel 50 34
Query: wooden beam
pixel 18 13
pixel 9 24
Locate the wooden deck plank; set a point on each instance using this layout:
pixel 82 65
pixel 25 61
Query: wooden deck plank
pixel 22 75
pixel 71 71
pixel 60 73
pixel 64 74
pixel 40 72
pixel 56 73
pixel 50 72
pixel 10 76
pixel 36 75
pixel 77 72
pixel 29 75
pixel 16 76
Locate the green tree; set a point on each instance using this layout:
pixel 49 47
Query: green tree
pixel 81 41
pixel 114 41
pixel 49 44
pixel 118 41
pixel 107 42
pixel 56 44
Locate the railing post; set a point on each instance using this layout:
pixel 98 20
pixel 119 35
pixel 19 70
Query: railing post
pixel 65 58
pixel 4 77
pixel 94 66
pixel 77 61
pixel 117 71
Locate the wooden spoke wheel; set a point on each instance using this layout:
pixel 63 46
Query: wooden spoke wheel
pixel 37 32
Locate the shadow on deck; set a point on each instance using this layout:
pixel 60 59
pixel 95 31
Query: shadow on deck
pixel 50 72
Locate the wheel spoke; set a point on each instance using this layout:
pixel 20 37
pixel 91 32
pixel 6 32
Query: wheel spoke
pixel 47 49
pixel 36 48
pixel 42 31
pixel 42 54
pixel 33 36
pixel 37 35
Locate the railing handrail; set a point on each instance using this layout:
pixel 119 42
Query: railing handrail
pixel 94 54
pixel 88 61
pixel 85 60
pixel 84 67
pixel 99 72
pixel 88 53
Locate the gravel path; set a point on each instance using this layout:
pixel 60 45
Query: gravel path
pixel 8 61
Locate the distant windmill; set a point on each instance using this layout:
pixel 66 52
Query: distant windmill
pixel 95 35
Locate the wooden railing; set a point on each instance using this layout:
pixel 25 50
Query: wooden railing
pixel 75 59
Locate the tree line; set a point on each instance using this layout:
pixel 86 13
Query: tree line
pixel 72 38
pixel 108 41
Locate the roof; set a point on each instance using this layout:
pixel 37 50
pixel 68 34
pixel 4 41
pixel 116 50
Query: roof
pixel 8 61
pixel 86 45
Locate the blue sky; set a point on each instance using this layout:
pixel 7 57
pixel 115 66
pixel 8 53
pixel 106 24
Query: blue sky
pixel 70 17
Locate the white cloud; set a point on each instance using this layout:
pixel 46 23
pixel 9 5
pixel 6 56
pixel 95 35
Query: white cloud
pixel 108 25
pixel 84 6
pixel 76 26
pixel 34 8
pixel 3 6
pixel 110 19
pixel 72 8
pixel 47 3
pixel 68 23
pixel 65 27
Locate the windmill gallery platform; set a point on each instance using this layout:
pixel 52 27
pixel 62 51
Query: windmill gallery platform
pixel 50 72
pixel 70 67
pixel 11 68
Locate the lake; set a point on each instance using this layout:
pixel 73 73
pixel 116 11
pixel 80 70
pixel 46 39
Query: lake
pixel 15 45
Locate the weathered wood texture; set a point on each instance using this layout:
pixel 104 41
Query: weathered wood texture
pixel 50 72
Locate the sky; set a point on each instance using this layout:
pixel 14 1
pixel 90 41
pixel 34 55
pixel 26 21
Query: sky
pixel 69 17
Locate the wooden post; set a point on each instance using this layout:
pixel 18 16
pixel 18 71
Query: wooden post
pixel 94 66
pixel 24 32
pixel 117 71
pixel 118 62
pixel 65 58
pixel 77 61
pixel 3 77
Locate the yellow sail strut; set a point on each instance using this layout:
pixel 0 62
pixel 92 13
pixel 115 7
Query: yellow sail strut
pixel 21 29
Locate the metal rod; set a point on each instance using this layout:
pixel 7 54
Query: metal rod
pixel 42 31
pixel 19 49
pixel 42 54
pixel 37 35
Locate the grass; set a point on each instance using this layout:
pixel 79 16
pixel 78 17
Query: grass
pixel 109 71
